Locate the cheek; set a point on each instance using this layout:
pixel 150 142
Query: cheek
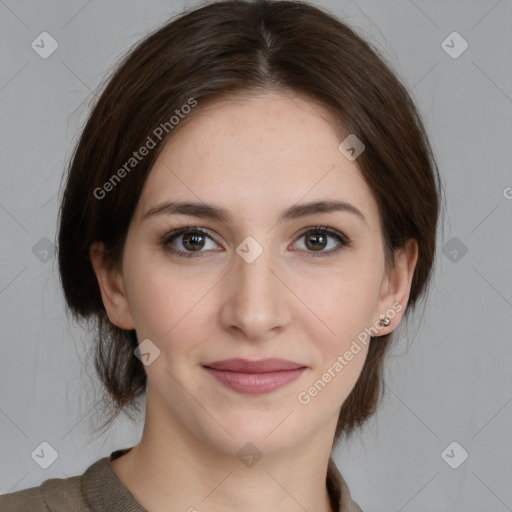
pixel 343 306
pixel 172 310
pixel 157 298
pixel 341 345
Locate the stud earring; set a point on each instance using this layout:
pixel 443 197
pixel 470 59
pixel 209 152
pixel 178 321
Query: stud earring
pixel 384 322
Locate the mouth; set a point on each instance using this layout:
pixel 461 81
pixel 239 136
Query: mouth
pixel 255 377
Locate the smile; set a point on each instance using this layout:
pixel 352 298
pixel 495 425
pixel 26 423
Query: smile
pixel 255 377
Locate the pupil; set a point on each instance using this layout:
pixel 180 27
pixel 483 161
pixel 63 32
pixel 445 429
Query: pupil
pixel 193 239
pixel 316 244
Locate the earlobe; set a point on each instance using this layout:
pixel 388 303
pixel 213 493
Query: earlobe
pixel 396 287
pixel 112 290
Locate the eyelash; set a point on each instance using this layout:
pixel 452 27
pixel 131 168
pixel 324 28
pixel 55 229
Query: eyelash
pixel 317 230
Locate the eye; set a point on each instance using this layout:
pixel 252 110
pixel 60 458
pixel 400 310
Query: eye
pixel 317 239
pixel 189 240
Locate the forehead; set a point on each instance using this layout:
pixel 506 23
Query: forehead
pixel 257 155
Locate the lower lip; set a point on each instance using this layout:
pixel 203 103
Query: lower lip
pixel 255 383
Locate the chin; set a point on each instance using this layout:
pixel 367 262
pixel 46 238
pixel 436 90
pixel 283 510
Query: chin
pixel 263 432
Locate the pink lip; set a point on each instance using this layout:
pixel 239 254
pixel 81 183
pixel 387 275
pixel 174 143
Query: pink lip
pixel 255 377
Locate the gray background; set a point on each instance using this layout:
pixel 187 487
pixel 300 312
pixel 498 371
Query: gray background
pixel 449 378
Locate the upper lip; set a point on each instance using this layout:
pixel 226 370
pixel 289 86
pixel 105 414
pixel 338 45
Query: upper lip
pixel 272 364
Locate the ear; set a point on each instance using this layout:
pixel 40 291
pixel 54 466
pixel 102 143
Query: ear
pixel 112 289
pixel 396 286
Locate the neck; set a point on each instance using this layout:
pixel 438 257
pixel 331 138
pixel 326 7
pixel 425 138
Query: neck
pixel 171 468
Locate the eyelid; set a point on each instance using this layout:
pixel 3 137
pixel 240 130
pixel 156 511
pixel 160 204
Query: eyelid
pixel 176 233
pixel 343 240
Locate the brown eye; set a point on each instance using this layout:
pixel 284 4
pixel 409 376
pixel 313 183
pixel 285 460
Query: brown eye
pixel 319 238
pixel 193 242
pixel 188 242
pixel 315 241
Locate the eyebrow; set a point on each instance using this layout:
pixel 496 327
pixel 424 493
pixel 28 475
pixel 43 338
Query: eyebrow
pixel 213 212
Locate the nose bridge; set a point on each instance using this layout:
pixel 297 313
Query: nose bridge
pixel 256 303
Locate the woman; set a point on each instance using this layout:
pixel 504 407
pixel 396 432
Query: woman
pixel 249 214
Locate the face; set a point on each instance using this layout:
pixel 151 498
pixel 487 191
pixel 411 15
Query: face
pixel 271 278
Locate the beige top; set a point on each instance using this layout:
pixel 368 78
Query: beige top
pixel 100 490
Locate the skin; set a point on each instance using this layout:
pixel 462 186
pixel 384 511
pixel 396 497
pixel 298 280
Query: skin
pixel 255 156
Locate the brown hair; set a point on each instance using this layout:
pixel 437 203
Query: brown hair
pixel 207 54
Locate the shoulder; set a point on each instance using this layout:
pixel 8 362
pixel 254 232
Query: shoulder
pixel 339 490
pixel 27 499
pixel 98 488
pixel 53 495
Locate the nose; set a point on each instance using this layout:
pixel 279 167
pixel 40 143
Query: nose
pixel 257 302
